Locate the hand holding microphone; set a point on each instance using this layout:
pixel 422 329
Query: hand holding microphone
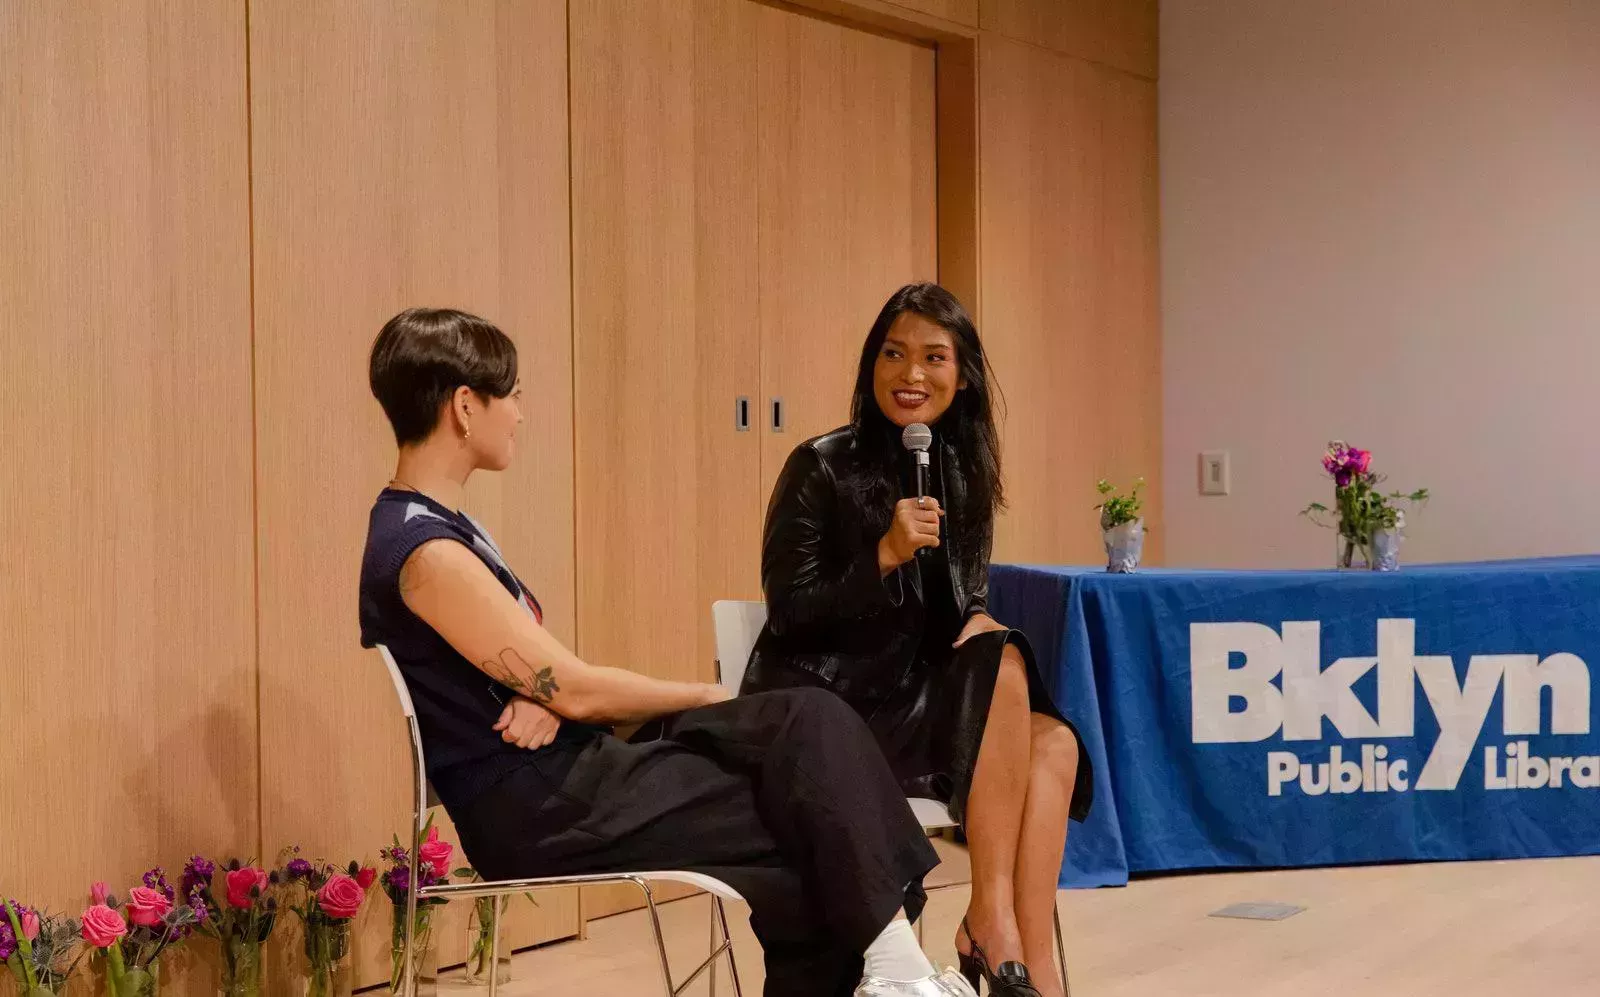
pixel 915 527
pixel 916 520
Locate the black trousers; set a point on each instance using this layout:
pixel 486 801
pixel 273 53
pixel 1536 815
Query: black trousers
pixel 785 796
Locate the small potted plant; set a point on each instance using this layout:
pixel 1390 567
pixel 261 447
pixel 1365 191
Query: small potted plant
pixel 1122 526
pixel 1370 524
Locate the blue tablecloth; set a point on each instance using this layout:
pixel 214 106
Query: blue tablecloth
pixel 1270 719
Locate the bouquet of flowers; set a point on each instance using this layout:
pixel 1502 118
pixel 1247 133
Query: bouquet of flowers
pixel 241 921
pixel 326 900
pixel 133 944
pixel 40 949
pixel 1363 511
pixel 433 867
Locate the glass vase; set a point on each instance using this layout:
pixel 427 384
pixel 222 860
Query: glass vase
pixel 487 914
pixel 423 956
pixel 241 968
pixel 1124 547
pixel 1353 553
pixel 328 971
pixel 1386 549
pixel 144 982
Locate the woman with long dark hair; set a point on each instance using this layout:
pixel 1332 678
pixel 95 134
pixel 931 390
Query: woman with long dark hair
pixel 881 595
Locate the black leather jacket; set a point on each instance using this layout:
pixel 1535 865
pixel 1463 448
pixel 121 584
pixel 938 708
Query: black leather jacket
pixel 829 610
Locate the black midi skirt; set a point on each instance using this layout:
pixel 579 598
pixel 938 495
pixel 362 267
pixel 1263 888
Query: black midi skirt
pixel 930 725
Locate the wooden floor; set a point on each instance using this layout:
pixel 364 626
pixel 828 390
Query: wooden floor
pixel 1457 929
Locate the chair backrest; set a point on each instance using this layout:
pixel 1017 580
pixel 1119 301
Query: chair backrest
pixel 738 625
pixel 421 793
pixel 406 706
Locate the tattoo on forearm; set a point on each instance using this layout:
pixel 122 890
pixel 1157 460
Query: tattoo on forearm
pixel 544 685
pixel 513 671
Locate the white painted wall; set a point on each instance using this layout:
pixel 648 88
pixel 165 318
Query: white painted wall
pixel 1381 221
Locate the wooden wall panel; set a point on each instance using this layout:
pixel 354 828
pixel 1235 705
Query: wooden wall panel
pixel 1069 290
pixel 404 154
pixel 1117 33
pixel 664 238
pixel 1128 392
pixel 664 194
pixel 848 208
pixel 126 600
pixel 960 11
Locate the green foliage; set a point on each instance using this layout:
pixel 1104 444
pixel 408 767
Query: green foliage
pixel 1117 509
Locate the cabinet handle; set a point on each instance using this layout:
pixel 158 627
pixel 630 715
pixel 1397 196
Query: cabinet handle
pixel 741 414
pixel 777 415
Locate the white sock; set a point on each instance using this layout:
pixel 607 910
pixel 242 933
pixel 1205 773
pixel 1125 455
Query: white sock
pixel 895 955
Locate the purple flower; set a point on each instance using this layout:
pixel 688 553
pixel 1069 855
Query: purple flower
pixel 1343 477
pixel 398 879
pixel 8 939
pixel 156 879
pixel 299 869
pixel 197 900
pixel 197 873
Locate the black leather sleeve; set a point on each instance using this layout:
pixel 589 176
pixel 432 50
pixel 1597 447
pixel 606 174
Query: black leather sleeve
pixel 807 582
pixel 978 584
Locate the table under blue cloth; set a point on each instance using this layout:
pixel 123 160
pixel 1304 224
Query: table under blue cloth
pixel 1276 719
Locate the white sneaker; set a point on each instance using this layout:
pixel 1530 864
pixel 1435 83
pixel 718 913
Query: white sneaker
pixel 947 984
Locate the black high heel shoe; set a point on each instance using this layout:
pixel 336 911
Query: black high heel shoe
pixel 1009 979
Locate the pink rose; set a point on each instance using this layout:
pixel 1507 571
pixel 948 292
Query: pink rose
pixel 146 907
pixel 436 853
pixel 98 893
pixel 240 883
pixel 30 925
pixel 340 896
pixel 102 926
pixel 366 877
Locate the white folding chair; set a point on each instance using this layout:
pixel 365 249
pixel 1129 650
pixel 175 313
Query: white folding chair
pixel 738 624
pixel 718 891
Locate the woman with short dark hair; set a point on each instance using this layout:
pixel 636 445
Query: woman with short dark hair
pixel 784 796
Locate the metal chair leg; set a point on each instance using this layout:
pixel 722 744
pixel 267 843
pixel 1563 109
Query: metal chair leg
pixel 712 948
pixel 661 941
pixel 727 938
pixel 1061 953
pixel 499 907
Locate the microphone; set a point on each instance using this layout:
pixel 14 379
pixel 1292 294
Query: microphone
pixel 917 438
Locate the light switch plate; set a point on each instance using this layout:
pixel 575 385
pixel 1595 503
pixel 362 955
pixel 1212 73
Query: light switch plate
pixel 1215 478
